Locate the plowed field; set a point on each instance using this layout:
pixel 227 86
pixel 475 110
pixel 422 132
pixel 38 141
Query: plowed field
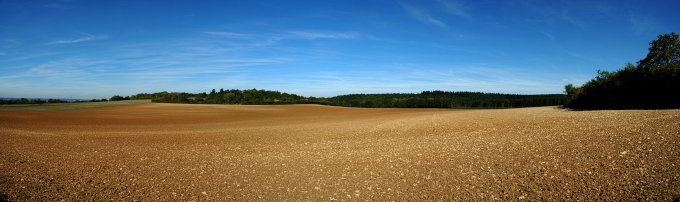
pixel 153 151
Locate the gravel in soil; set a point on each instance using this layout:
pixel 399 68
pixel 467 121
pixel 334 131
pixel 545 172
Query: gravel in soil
pixel 154 151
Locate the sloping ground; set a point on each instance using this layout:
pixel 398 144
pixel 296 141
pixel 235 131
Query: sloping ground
pixel 307 152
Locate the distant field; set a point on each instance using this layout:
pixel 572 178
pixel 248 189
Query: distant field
pixel 67 106
pixel 161 152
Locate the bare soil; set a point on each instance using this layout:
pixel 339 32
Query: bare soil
pixel 153 152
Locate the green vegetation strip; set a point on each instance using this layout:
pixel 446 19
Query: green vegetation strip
pixel 425 99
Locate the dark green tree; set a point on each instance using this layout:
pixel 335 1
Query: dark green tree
pixel 662 51
pixel 653 83
pixel 118 98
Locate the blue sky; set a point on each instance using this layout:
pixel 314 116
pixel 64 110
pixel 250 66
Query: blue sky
pixel 96 49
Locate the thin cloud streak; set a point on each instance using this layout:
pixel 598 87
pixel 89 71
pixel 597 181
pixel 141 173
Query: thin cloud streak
pixel 241 41
pixel 168 66
pixel 455 8
pixel 423 16
pixel 641 25
pixel 323 35
pixel 86 38
pixel 228 34
pixel 553 14
pixel 546 34
pixel 566 17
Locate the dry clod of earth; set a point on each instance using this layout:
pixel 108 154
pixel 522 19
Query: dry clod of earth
pixel 160 152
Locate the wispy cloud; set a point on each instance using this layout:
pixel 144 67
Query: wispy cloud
pixel 228 34
pixel 546 34
pixel 567 17
pixel 455 8
pixel 9 43
pixel 423 16
pixel 86 38
pixel 323 35
pixel 415 78
pixel 585 57
pixel 187 64
pixel 641 25
pixel 260 40
pixel 554 14
pixel 59 4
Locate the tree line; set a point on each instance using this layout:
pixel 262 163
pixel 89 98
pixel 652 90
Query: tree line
pixel 232 96
pixel 30 101
pixel 446 99
pixel 425 99
pixel 13 101
pixel 651 83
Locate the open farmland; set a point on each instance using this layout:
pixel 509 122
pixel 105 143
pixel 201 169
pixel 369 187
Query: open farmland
pixel 152 151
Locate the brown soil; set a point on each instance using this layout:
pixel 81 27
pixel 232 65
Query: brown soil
pixel 157 152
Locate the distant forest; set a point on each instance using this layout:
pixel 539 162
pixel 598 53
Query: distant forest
pixel 652 83
pixel 425 99
pixel 30 101
pixel 446 99
pixel 20 101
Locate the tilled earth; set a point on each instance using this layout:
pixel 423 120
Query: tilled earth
pixel 307 152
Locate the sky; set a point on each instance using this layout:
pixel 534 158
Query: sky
pixel 96 49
